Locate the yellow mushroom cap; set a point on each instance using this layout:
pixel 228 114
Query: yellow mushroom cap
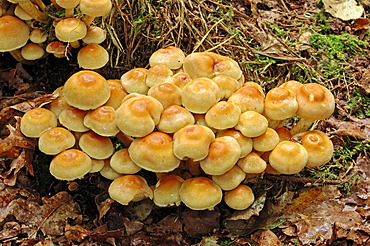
pixel 252 124
pixel 70 29
pixel 86 90
pixel 73 119
pixel 246 143
pixel 32 51
pixel 231 179
pixel 223 115
pixel 166 191
pixel 70 164
pixel 180 79
pixel 133 81
pixel 248 98
pixel 138 115
pixel 174 118
pixel 108 172
pixel 166 93
pixel 200 193
pixel 117 93
pixel 292 85
pixel 172 57
pixel 92 56
pixel 288 157
pixel 14 33
pixel 121 162
pixel 319 147
pixel 199 95
pixel 129 188
pixel 102 121
pixel 95 7
pixel 94 35
pixel 239 198
pixel 55 140
pixel 266 141
pixel 227 85
pixel 36 121
pixel 223 154
pixel 192 141
pixel 280 104
pixel 158 74
pixel 154 152
pixel 252 163
pixel 315 102
pixel 96 166
pixel 96 146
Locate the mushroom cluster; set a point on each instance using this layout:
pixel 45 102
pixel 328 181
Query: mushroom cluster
pixel 192 120
pixel 28 41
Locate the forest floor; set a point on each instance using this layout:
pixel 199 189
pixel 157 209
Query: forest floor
pixel 273 42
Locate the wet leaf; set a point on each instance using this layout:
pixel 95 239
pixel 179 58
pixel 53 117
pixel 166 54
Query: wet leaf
pixel 170 224
pixel 344 9
pixel 101 233
pixel 75 233
pixel 266 237
pixel 360 24
pixel 319 216
pixel 348 128
pixel 198 222
pixel 50 217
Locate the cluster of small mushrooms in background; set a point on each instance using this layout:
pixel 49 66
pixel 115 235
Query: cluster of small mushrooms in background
pixel 192 120
pixel 22 31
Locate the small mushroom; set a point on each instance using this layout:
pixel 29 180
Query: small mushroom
pixel 73 119
pixel 315 102
pixel 55 140
pixel 158 74
pixel 200 193
pixel 166 191
pixel 32 51
pixel 239 198
pixel 129 188
pixel 96 146
pixel 172 57
pixel 192 141
pixel 70 164
pixel 92 56
pixel 252 124
pixel 102 121
pixel 154 152
pixel 133 81
pixel 68 5
pixel 231 179
pixel 117 93
pixel 199 95
pixel 36 121
pixel 86 90
pixel 288 157
pixel 248 98
pixel 252 163
pixel 122 163
pixel 174 118
pixel 166 93
pixel 94 8
pixel 246 143
pixel 223 154
pixel 266 141
pixel 223 115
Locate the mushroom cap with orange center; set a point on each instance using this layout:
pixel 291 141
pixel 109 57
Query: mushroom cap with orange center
pixel 36 121
pixel 14 33
pixel 55 140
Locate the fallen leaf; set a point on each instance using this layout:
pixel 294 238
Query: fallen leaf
pixel 170 224
pixel 348 128
pixel 23 160
pixel 266 237
pixel 319 216
pixel 50 217
pixel 344 9
pixel 75 233
pixel 360 24
pixel 197 223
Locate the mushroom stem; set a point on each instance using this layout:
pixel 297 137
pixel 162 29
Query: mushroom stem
pixel 40 4
pixel 69 12
pixel 31 9
pixel 301 126
pixel 88 19
pixel 18 56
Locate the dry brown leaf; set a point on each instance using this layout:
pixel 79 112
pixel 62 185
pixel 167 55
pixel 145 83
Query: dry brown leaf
pixel 363 166
pixel 360 24
pixel 23 160
pixel 75 233
pixel 168 225
pixel 266 237
pixel 348 128
pixel 198 222
pixel 50 217
pixel 320 217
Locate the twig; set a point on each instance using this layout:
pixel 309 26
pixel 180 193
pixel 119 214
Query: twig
pixel 303 180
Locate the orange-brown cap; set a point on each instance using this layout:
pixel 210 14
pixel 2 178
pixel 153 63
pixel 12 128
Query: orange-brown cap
pixel 102 121
pixel 231 179
pixel 171 56
pixel 166 191
pixel 55 140
pixel 70 164
pixel 200 193
pixel 239 198
pixel 174 118
pixel 92 56
pixel 36 121
pixel 96 146
pixel 14 33
pixel 129 188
